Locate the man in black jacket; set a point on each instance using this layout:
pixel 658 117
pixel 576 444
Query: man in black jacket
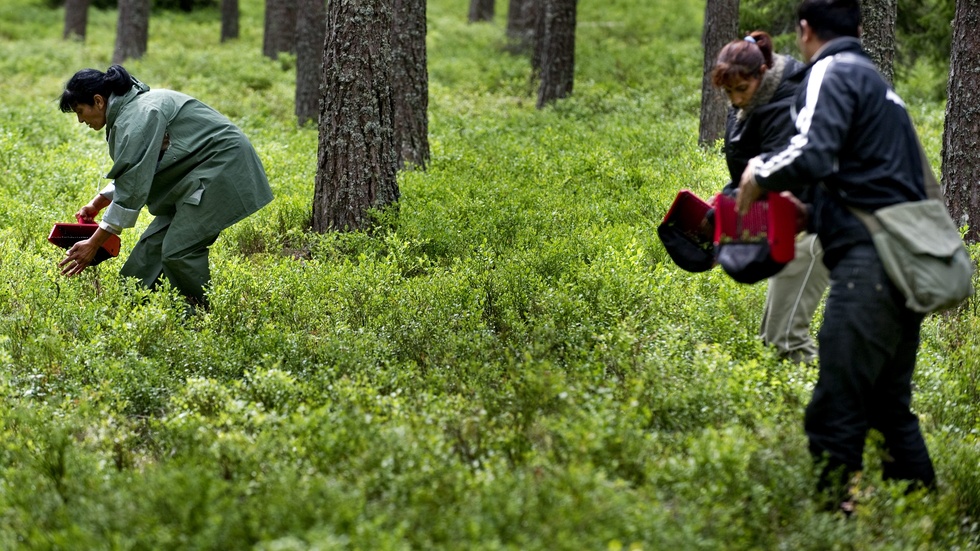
pixel 856 146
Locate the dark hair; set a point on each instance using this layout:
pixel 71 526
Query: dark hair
pixel 831 19
pixel 87 83
pixel 743 58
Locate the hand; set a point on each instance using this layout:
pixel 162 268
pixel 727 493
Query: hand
pixel 706 229
pixel 748 191
pixel 87 213
pixel 78 257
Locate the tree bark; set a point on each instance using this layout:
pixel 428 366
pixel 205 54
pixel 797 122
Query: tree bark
pixel 76 19
pixel 720 28
pixel 311 28
pixel 878 34
pixel 961 135
pixel 132 30
pixel 520 25
pixel 229 20
pixel 558 52
pixel 538 12
pixel 481 10
pixel 279 34
pixel 357 162
pixel 410 83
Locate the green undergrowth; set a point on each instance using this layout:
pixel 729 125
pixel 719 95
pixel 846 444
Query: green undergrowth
pixel 509 360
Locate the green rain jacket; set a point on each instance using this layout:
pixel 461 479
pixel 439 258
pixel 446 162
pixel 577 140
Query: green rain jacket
pixel 209 163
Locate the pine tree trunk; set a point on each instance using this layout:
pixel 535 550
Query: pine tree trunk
pixel 520 25
pixel 132 30
pixel 410 79
pixel 720 28
pixel 357 162
pixel 76 19
pixel 481 10
pixel 279 34
pixel 558 51
pixel 878 34
pixel 229 20
pixel 961 136
pixel 311 27
pixel 538 43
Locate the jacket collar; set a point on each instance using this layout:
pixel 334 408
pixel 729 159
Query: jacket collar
pixel 836 46
pixel 767 88
pixel 116 103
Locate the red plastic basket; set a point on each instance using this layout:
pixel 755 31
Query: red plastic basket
pixel 772 219
pixel 65 235
pixel 687 213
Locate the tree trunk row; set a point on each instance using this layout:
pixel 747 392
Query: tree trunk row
pixel 546 27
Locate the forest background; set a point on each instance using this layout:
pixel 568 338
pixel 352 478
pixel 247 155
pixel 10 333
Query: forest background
pixel 508 361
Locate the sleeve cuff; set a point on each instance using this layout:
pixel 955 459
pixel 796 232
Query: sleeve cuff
pixel 119 216
pixel 114 230
pixel 108 191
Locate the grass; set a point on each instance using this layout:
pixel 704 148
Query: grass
pixel 509 362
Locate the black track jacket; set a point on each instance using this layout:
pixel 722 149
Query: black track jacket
pixel 854 135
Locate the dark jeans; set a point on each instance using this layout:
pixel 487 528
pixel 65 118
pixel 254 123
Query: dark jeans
pixel 868 343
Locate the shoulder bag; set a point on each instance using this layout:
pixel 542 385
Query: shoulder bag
pixel 921 249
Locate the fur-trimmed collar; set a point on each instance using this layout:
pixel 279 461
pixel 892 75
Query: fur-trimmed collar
pixel 767 88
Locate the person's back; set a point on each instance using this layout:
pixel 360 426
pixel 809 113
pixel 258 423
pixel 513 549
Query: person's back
pixel 877 163
pixel 856 146
pixel 855 137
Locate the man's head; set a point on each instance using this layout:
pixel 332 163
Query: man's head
pixel 820 21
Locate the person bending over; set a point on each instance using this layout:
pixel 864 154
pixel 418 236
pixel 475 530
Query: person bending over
pixel 193 170
pixel 761 87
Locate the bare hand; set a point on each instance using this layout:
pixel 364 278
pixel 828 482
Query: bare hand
pixel 77 258
pixel 87 214
pixel 748 193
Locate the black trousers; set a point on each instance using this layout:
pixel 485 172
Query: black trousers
pixel 868 343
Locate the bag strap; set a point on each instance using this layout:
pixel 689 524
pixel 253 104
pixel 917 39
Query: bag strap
pixel 933 191
pixel 866 218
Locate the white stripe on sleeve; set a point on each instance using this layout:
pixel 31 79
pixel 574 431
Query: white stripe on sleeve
pixel 798 142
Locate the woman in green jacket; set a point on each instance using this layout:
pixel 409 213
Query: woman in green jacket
pixel 192 169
